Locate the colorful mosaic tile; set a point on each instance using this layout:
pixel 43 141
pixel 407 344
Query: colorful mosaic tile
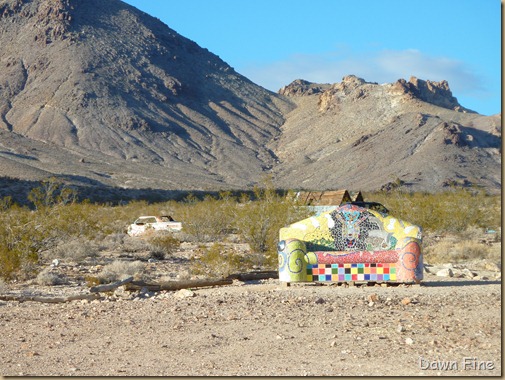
pixel 351 272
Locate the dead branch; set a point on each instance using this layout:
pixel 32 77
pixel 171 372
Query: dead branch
pixel 49 299
pixel 177 285
pixel 250 276
pixel 109 287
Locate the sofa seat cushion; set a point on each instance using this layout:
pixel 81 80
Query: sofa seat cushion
pixel 333 257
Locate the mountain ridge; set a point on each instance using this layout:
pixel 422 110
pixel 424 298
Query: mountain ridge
pixel 98 92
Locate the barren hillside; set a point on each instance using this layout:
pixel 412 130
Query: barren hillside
pixel 101 94
pixel 115 95
pixel 365 135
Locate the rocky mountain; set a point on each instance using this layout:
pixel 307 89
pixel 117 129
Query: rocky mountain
pixel 99 90
pixel 101 94
pixel 414 134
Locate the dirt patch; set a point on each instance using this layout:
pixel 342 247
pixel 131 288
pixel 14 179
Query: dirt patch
pixel 447 326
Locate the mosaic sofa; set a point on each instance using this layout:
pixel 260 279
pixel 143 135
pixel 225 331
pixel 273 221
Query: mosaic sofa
pixel 351 243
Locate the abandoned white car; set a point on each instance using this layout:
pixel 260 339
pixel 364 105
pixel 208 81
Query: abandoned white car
pixel 153 223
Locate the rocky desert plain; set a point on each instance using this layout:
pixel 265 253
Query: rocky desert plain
pixel 448 325
pixel 117 106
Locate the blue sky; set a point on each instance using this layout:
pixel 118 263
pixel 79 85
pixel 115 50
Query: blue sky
pixel 273 42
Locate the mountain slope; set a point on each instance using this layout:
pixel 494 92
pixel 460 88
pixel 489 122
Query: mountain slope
pixel 100 76
pixel 99 93
pixel 364 135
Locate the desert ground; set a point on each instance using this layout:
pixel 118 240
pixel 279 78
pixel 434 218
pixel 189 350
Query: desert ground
pixel 449 325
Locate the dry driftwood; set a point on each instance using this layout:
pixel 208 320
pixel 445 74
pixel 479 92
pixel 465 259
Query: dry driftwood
pixel 49 299
pixel 176 285
pixel 187 284
pixel 109 287
pixel 250 276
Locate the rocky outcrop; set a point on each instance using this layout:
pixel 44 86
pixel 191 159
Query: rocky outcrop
pixel 300 87
pixel 95 91
pixel 437 93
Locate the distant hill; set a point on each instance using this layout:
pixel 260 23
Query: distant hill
pixel 101 94
pixel 366 136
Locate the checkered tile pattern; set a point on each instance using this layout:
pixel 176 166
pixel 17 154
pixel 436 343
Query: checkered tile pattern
pixel 352 272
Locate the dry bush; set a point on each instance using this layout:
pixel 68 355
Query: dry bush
pixel 119 270
pixel 48 278
pixel 447 251
pixel 74 251
pixel 163 244
pixel 135 245
pixel 114 241
pixel 449 211
pixel 218 261
pixel 208 220
pixel 258 222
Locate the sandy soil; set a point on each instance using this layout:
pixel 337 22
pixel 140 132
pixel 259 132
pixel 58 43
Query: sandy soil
pixel 447 326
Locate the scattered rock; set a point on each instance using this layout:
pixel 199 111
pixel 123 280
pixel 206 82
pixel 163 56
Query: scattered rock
pixel 184 293
pixel 468 273
pixel 373 297
pixel 406 301
pixel 446 272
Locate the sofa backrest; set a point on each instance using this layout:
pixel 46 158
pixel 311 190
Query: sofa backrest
pixel 352 228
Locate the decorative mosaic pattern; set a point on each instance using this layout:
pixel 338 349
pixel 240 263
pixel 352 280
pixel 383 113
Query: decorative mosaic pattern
pixel 351 235
pixel 351 228
pixel 379 272
pixel 357 257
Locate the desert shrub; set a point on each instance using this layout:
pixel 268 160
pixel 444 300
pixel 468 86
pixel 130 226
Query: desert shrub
pixel 135 245
pixel 208 220
pixel 75 250
pixel 163 244
pixel 258 222
pixel 119 270
pixel 456 251
pixel 218 261
pixel 114 241
pixel 51 192
pixel 48 278
pixel 19 243
pixel 449 211
pixel 5 203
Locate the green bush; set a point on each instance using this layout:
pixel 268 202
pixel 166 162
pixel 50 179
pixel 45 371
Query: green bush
pixel 208 220
pixel 217 262
pixel 448 211
pixel 163 245
pixel 58 221
pixel 258 222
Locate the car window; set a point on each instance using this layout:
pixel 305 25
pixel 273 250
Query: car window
pixel 145 220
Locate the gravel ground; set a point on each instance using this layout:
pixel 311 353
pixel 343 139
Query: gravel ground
pixel 447 326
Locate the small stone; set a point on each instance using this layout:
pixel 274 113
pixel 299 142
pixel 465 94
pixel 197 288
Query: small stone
pixel 333 343
pixel 373 297
pixel 446 272
pixel 400 328
pixel 406 301
pixel 184 293
pixel 491 266
pixel 320 301
pixel 468 273
pixel 409 341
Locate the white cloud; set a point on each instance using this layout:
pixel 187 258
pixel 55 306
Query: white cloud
pixel 383 67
